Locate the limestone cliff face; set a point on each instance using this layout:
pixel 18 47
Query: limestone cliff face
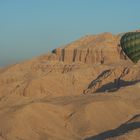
pixel 103 48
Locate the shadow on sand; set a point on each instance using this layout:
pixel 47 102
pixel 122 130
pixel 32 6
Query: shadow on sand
pixel 124 128
pixel 114 86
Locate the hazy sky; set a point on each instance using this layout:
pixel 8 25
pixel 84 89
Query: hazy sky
pixel 30 28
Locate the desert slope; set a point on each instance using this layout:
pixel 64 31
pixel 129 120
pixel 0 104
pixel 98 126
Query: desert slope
pixel 87 90
pixel 68 117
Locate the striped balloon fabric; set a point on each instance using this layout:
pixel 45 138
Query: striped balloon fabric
pixel 130 44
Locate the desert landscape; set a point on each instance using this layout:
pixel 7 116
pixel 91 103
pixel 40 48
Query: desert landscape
pixel 85 90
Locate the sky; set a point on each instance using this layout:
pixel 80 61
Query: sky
pixel 29 28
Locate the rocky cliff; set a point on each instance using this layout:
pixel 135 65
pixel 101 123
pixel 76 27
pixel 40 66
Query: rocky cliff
pixel 77 65
pixel 92 49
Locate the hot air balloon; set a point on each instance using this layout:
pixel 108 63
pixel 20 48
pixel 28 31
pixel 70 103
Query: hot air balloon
pixel 130 44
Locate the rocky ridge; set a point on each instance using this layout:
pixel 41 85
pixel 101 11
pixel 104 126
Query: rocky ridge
pixel 92 49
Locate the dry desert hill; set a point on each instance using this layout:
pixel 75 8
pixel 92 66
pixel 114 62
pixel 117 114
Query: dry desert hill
pixel 86 90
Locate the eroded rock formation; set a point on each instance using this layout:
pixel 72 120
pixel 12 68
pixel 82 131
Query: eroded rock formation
pixel 91 49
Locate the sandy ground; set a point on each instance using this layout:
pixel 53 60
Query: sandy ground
pixel 83 117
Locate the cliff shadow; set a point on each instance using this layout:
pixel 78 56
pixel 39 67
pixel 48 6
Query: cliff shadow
pixel 117 84
pixel 123 129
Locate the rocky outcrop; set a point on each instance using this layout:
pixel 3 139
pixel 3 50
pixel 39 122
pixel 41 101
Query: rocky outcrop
pixel 113 79
pixel 93 49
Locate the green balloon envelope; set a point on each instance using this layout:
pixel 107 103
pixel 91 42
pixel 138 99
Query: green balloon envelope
pixel 130 44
